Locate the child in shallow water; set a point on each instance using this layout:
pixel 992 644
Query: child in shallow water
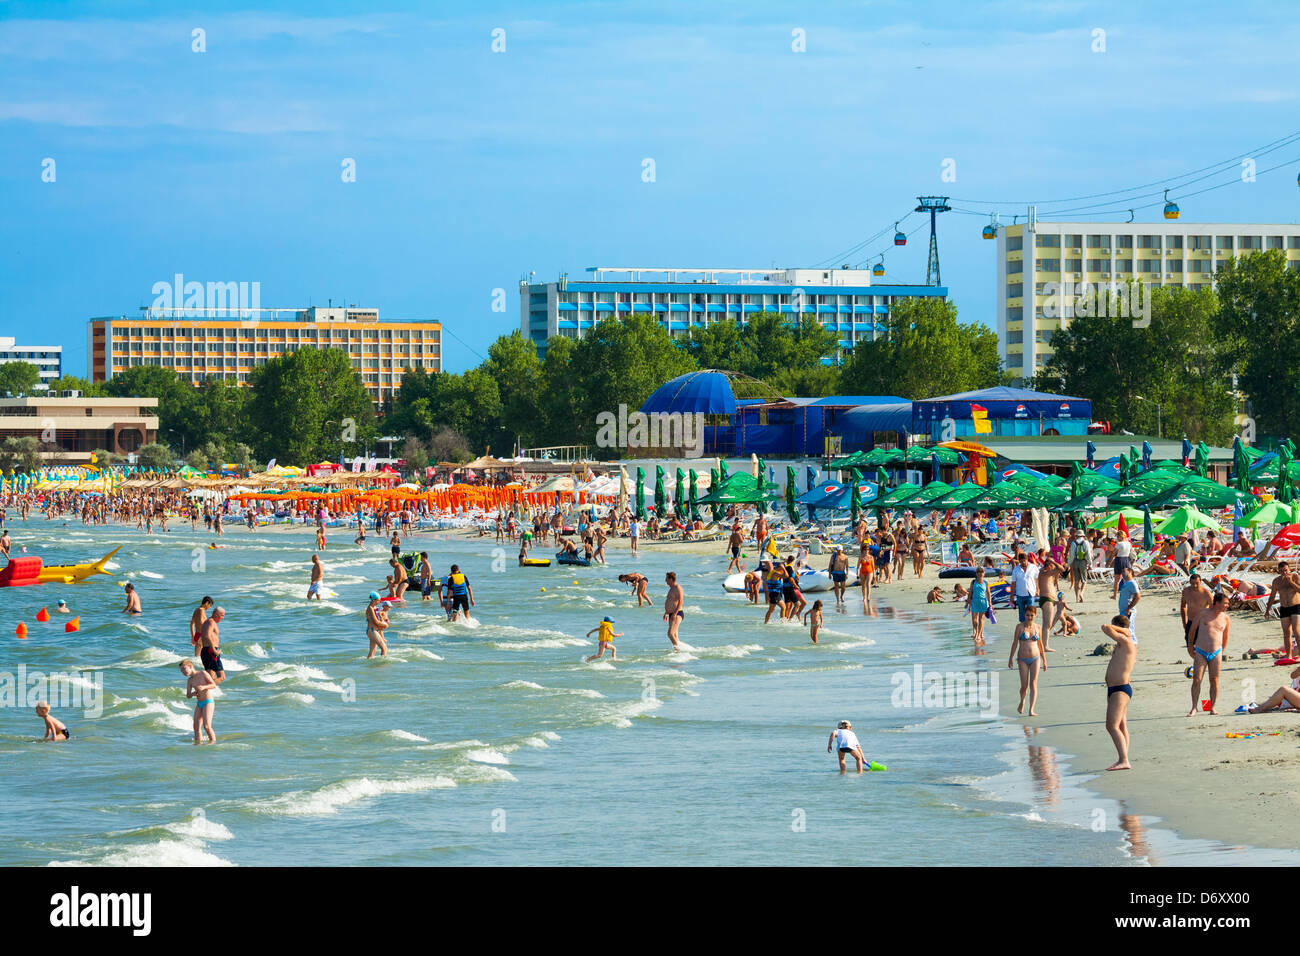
pixel 813 618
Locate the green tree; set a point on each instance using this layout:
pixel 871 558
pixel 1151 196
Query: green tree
pixel 512 361
pixel 1177 363
pixel 18 378
pixel 21 453
pixel 622 362
pixel 75 383
pixel 468 403
pixel 923 352
pixel 105 457
pixel 1258 322
pixel 557 394
pixel 307 405
pixel 155 455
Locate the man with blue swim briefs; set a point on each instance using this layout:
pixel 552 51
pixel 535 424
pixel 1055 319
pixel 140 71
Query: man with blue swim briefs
pixel 1210 640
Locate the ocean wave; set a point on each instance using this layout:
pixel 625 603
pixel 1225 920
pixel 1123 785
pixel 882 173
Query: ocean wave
pixel 327 800
pixel 407 735
pixel 163 853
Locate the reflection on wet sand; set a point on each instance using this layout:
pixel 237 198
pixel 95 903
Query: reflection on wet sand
pixel 1044 768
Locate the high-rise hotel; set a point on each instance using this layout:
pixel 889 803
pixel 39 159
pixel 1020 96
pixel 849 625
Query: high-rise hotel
pixel 844 301
pixel 230 348
pixel 1105 255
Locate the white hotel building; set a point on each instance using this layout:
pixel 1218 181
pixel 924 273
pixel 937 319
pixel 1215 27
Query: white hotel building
pixel 1106 255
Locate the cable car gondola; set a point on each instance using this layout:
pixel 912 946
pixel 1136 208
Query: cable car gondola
pixel 1171 208
pixel 879 268
pixel 900 239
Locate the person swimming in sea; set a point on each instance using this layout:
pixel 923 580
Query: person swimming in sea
pixel 132 600
pixel 55 729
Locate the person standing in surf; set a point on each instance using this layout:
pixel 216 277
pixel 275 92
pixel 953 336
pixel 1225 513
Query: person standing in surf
pixel 674 606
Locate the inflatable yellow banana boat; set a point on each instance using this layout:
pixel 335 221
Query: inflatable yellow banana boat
pixel 70 573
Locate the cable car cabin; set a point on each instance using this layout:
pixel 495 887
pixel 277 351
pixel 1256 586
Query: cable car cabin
pixel 989 232
pixel 878 269
pixel 1171 210
pixel 900 239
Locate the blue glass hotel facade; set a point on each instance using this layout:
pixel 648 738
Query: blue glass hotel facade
pixel 843 300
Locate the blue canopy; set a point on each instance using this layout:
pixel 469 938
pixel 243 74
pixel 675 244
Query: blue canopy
pixel 1011 469
pixel 707 392
pixel 837 494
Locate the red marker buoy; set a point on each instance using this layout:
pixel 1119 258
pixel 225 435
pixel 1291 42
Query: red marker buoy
pixel 21 630
pixel 42 615
pixel 73 625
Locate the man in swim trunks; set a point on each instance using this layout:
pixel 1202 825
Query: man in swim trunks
pixel 400 582
pixel 376 622
pixel 1119 687
pixel 200 685
pixel 1196 598
pixel 132 600
pixel 1209 641
pixel 425 574
pixel 55 729
pixel 674 606
pixel 210 645
pixel 1285 590
pixel 317 573
pixel 197 618
pixel 733 544
pixel 838 569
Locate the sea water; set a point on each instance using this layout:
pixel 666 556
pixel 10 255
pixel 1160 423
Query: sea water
pixel 491 741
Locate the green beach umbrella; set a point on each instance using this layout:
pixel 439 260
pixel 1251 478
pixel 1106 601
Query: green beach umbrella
pixel 855 503
pixel 882 480
pixel 762 490
pixel 1112 520
pixel 792 506
pixel 679 494
pixel 1148 533
pixel 722 470
pixel 640 494
pixel 1200 493
pixel 956 498
pixel 1271 512
pixel 1186 519
pixel 1202 458
pixel 713 484
pixel 695 497
pixel 660 498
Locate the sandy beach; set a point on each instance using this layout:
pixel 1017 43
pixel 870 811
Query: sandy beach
pixel 1243 790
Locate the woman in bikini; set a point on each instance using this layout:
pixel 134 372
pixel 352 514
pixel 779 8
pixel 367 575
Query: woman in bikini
pixel 1027 654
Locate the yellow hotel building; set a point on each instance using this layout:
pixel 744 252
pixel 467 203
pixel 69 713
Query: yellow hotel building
pixel 230 348
pixel 1040 263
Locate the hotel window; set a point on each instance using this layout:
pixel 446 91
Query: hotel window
pixel 1250 242
pixel 1098 265
pixel 1197 265
pixel 1047 242
pixel 1015 268
pixel 1200 242
pixel 1015 243
pixel 1223 242
pixel 1123 242
pixel 1074 240
pixel 1293 242
pixel 1173 242
pixel 1275 242
pixel 1174 265
pixel 1149 265
pixel 1124 265
pixel 1294 265
pixel 1148 242
pixel 1047 265
pixel 1098 242
pixel 1073 265
pixel 1015 290
pixel 1015 314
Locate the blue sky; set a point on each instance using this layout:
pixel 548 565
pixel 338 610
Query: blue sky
pixel 474 168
